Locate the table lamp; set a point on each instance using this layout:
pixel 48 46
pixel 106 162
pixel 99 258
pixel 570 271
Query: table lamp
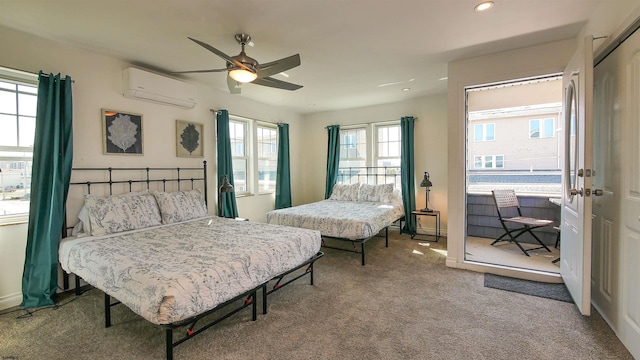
pixel 426 183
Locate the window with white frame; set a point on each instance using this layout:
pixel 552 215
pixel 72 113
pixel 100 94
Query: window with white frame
pixel 488 161
pixel 267 144
pixel 484 132
pixel 353 147
pixel 388 145
pixel 240 156
pixel 18 102
pixel 541 128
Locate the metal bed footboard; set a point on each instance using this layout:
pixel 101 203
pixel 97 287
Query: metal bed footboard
pixel 278 279
pixel 170 342
pixel 354 241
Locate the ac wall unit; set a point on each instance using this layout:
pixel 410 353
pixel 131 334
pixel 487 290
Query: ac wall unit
pixel 143 85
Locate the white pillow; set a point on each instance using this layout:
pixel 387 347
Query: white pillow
pixel 83 227
pixel 376 193
pixel 180 205
pixel 121 213
pixel 345 192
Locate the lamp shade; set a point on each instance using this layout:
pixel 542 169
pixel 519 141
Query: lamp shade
pixel 426 182
pixel 242 75
pixel 226 186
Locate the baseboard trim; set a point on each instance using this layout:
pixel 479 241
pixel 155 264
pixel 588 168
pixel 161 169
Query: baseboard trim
pixel 12 300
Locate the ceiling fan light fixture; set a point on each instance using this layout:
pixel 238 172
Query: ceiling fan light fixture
pixel 242 75
pixel 485 5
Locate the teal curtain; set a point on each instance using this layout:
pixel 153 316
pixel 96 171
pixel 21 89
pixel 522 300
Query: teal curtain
pixel 407 173
pixel 333 158
pixel 283 172
pixel 51 171
pixel 227 200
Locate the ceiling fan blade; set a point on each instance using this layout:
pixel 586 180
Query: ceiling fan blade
pixel 234 86
pixel 278 66
pixel 199 71
pixel 221 54
pixel 275 83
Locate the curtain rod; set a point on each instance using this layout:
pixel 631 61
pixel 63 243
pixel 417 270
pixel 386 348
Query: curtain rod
pixel 61 78
pixel 215 112
pixel 368 123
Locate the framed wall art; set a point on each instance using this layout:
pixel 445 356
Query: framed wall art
pixel 122 133
pixel 189 139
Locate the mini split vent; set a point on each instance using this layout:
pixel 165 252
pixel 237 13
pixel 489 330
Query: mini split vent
pixel 146 86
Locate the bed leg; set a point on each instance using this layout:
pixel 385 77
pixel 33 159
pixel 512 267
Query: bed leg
pixel 169 343
pixel 77 282
pixel 264 299
pixel 386 236
pixel 311 272
pixel 107 310
pixel 254 306
pixel 362 250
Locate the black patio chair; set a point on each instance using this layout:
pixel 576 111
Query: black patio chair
pixel 505 199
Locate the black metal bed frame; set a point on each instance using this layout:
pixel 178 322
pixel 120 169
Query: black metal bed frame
pixel 249 296
pixel 369 175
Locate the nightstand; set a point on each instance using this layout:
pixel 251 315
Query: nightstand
pixel 434 213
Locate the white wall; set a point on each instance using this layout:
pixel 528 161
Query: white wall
pixel 97 85
pixel 430 147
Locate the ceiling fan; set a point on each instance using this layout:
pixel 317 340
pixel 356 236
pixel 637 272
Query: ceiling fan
pixel 244 69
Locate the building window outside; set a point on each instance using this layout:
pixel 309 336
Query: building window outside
pixel 484 132
pixel 488 161
pixel 239 154
pixel 267 139
pixel 541 128
pixel 18 103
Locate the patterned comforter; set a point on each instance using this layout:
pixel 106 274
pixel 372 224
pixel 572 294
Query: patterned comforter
pixel 341 219
pixel 173 272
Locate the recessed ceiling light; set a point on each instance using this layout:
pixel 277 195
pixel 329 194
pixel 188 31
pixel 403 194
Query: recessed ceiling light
pixel 311 105
pixel 485 5
pixel 406 89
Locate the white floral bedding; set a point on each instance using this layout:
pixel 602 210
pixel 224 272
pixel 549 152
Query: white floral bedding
pixel 173 272
pixel 342 219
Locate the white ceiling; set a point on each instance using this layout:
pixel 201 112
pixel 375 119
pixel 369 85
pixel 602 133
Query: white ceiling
pixel 354 52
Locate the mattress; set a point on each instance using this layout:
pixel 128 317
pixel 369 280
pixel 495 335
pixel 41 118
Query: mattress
pixel 174 272
pixel 352 220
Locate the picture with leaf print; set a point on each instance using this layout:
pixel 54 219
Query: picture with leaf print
pixel 122 133
pixel 189 139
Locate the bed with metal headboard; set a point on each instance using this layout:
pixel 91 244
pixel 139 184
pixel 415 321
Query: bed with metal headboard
pixel 144 237
pixel 365 201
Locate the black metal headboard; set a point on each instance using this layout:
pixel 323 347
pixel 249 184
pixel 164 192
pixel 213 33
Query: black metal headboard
pixel 372 175
pixel 127 179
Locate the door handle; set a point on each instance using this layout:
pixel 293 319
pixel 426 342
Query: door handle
pixel 575 192
pixel 598 192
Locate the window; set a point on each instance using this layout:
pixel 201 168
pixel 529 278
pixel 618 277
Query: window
pixel 388 145
pixel 484 132
pixel 240 157
pixel 541 128
pixel 267 139
pixel 353 148
pixel 18 102
pixel 488 161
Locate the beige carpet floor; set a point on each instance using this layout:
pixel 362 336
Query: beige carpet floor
pixel 404 304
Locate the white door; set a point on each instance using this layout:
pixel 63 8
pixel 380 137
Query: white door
pixel 629 332
pixel 575 251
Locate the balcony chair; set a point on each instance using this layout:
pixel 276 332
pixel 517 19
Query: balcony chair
pixel 505 199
